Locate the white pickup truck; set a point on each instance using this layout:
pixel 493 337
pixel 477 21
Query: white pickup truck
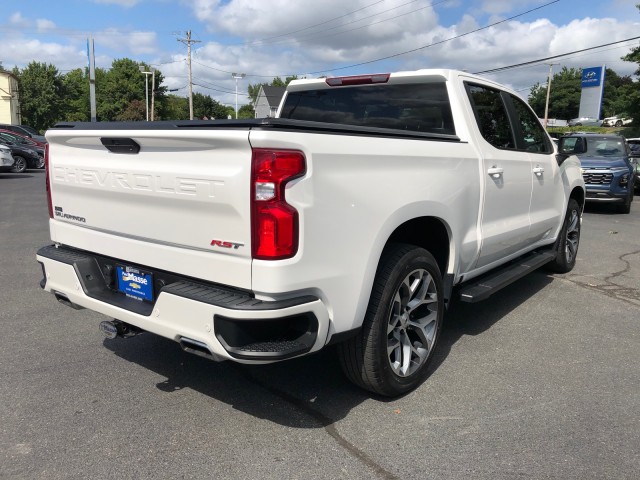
pixel 353 218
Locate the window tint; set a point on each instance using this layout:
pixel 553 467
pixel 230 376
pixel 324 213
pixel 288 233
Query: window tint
pixel 418 108
pixel 491 116
pixel 534 137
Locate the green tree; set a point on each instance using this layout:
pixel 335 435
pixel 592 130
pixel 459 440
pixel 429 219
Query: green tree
pixel 246 111
pixel 176 108
pixel 122 84
pixel 135 112
pixel 564 100
pixel 205 106
pixel 615 100
pixel 75 92
pixel 41 99
pixel 633 92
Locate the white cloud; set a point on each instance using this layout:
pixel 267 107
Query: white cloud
pixel 127 43
pixel 16 19
pixel 44 24
pixel 313 38
pixel 64 57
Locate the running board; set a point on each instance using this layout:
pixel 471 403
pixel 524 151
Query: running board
pixel 494 281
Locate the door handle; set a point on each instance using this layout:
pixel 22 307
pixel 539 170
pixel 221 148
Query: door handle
pixel 538 170
pixel 495 172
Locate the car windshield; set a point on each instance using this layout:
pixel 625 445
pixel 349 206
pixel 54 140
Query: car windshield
pixel 596 146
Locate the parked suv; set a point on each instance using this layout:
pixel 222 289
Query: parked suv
pixel 608 168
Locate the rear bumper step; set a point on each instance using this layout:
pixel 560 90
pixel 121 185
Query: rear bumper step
pixel 217 322
pixel 486 286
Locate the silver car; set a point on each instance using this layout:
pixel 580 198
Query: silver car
pixel 6 159
pixel 584 122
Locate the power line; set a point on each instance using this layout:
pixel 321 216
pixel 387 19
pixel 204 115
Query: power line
pixel 314 35
pixel 317 24
pixel 396 54
pixel 546 59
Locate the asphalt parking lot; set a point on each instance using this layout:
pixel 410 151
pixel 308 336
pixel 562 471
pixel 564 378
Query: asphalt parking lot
pixel 540 381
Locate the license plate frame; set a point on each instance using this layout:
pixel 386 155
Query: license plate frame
pixel 135 283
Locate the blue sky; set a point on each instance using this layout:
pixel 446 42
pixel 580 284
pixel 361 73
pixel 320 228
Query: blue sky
pixel 310 38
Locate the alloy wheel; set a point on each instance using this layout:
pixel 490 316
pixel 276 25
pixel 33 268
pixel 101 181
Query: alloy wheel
pixel 412 323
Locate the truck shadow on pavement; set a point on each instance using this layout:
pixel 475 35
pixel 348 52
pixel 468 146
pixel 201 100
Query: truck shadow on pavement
pixel 308 392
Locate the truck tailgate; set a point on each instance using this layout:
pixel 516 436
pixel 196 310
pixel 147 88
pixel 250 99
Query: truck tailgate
pixel 180 204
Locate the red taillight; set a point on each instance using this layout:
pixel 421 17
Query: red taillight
pixel 47 181
pixel 274 221
pixel 358 80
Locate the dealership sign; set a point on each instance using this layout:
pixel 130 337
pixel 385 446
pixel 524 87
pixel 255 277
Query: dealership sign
pixel 592 77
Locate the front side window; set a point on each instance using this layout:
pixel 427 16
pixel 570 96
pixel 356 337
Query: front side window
pixel 534 139
pixel 491 116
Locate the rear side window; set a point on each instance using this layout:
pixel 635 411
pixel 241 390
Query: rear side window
pixel 418 108
pixel 491 115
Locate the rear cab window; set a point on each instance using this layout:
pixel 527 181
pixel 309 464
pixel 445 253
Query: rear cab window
pixel 421 107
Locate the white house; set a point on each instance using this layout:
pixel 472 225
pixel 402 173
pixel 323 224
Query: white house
pixel 9 100
pixel 268 100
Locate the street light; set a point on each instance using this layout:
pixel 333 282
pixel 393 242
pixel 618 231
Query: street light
pixel 237 76
pixel 146 85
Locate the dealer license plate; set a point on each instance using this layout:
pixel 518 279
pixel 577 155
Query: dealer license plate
pixel 135 283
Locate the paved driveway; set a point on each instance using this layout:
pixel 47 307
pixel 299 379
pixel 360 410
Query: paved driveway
pixel 540 381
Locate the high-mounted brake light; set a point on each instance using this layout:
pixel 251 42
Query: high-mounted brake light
pixel 46 179
pixel 358 80
pixel 274 221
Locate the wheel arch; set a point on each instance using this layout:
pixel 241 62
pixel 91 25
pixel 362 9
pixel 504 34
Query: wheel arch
pixel 579 196
pixel 430 233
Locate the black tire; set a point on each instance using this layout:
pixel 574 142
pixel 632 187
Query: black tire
pixel 626 206
pixel 370 359
pixel 21 164
pixel 566 246
pixel 619 123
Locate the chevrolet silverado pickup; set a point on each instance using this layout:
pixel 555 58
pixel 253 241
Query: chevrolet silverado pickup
pixel 352 218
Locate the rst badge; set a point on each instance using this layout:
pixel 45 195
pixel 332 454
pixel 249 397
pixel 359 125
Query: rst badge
pixel 225 244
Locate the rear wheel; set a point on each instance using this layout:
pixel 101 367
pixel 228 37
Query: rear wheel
pixel 568 241
pixel 391 354
pixel 21 164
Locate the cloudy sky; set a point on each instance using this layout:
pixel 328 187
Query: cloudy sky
pixel 264 39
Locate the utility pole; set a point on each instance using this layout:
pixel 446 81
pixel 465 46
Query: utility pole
pixel 92 78
pixel 188 41
pixel 546 105
pixel 153 91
